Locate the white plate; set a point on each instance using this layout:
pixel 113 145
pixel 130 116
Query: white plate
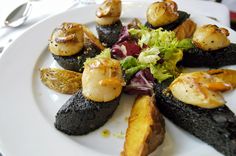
pixel 27 108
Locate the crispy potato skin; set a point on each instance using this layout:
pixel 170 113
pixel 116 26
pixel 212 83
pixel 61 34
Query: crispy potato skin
pixel 227 75
pixel 60 80
pixel 92 38
pixel 185 30
pixel 145 128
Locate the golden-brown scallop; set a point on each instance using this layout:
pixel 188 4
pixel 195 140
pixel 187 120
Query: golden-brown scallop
pixel 162 13
pixel 200 89
pixel 102 79
pixel 67 40
pixel 211 37
pixel 109 12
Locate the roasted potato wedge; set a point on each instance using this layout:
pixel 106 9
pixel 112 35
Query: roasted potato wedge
pixel 60 80
pixel 227 75
pixel 135 23
pixel 92 38
pixel 185 30
pixel 145 128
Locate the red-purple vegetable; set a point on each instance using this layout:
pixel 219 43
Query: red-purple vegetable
pixel 142 83
pixel 125 48
pixel 124 35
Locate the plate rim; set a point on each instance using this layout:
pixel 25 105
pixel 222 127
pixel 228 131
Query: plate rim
pixel 9 53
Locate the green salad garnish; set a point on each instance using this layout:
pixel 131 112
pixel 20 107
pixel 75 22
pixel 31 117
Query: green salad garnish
pixel 106 53
pixel 161 51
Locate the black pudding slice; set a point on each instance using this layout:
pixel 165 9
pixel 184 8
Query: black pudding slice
pixel 182 17
pixel 109 35
pixel 80 115
pixel 196 57
pixel 217 127
pixel 76 62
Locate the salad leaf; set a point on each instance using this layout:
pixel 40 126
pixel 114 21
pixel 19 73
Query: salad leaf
pixel 125 48
pixel 171 62
pixel 106 53
pixel 160 73
pixel 168 68
pixel 149 55
pixel 185 44
pixel 142 33
pixel 129 62
pixel 163 39
pixel 161 51
pixel 131 71
pixel 131 65
pixel 141 83
pixel 124 35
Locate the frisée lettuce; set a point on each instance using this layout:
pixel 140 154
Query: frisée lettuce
pixel 161 51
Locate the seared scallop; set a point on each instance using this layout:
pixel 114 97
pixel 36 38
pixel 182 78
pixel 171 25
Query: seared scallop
pixel 199 89
pixel 211 37
pixel 102 79
pixel 162 13
pixel 109 12
pixel 67 40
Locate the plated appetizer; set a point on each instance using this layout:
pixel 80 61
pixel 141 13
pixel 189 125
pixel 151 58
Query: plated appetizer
pixel 212 48
pixel 145 61
pixel 108 21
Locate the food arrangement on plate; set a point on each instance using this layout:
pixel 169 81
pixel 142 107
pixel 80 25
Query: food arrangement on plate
pixel 145 60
